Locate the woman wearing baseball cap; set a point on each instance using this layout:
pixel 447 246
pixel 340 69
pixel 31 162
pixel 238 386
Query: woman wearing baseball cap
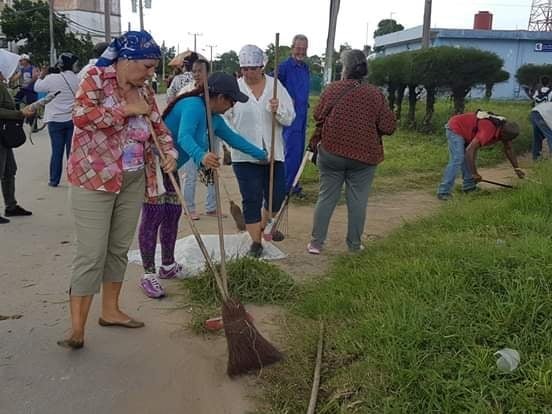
pixel 186 118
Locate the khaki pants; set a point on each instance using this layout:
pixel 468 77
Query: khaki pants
pixel 104 224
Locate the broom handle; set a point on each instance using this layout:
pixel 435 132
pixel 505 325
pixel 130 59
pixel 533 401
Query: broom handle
pixel 498 184
pixel 273 132
pixel 306 157
pixel 212 144
pixel 195 232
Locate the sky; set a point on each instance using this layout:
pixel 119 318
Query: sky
pixel 229 25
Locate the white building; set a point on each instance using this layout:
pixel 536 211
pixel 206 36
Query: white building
pixel 87 16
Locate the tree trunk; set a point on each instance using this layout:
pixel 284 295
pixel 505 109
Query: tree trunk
pixel 391 91
pixel 459 98
pixel 430 109
pixel 488 90
pixel 412 98
pixel 400 98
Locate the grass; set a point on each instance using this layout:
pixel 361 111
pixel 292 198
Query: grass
pixel 414 160
pixel 414 321
pixel 251 280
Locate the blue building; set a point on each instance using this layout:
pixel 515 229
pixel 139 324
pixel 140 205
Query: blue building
pixel 515 47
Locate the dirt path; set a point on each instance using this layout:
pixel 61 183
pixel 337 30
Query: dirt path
pixel 162 368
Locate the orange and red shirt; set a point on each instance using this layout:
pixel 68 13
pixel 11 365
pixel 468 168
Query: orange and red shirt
pixel 469 127
pixel 95 161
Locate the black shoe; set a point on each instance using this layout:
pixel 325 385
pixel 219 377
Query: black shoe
pixel 256 250
pixel 17 211
pixel 3 220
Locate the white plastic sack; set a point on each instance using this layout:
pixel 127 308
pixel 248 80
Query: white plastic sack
pixel 8 63
pixel 187 251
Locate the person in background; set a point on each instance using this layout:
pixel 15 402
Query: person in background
pixel 99 48
pixel 466 134
pixel 541 120
pixel 355 116
pixel 183 79
pixel 544 92
pixel 154 82
pixel 186 117
pixel 58 113
pixel 253 120
pixel 295 76
pixel 111 165
pixel 26 76
pixel 8 166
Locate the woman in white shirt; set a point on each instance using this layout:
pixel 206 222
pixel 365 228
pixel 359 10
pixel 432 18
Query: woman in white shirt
pixel 253 120
pixel 58 113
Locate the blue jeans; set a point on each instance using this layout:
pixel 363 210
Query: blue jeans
pixel 540 131
pixel 61 134
pixel 457 161
pixel 253 180
pixel 189 188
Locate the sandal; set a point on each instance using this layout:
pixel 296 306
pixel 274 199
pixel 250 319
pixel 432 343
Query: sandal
pixel 131 323
pixel 70 343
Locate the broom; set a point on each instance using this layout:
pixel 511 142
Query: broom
pixel 280 223
pixel 267 232
pixel 235 210
pixel 497 183
pixel 248 350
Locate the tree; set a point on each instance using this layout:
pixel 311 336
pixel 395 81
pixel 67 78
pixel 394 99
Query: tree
pixel 315 64
pixel 228 62
pixel 169 53
pixel 528 76
pixel 386 26
pixel 468 67
pixel 29 20
pixel 395 73
pixel 284 52
pixel 500 76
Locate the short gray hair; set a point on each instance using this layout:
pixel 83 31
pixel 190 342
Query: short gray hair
pixel 355 65
pixel 299 37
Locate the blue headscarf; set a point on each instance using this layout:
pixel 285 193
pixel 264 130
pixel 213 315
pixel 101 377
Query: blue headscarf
pixel 131 46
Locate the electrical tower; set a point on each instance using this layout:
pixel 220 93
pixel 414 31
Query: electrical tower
pixel 540 19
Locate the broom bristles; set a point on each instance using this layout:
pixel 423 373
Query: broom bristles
pixel 237 215
pixel 248 350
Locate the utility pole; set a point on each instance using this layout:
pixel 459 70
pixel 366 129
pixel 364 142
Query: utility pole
pixel 107 17
pixel 328 61
pixel 426 31
pixel 51 22
pixel 141 11
pixel 211 47
pixel 195 35
pixel 163 49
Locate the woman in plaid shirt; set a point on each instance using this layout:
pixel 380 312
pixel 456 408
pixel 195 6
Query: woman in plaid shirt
pixel 112 161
